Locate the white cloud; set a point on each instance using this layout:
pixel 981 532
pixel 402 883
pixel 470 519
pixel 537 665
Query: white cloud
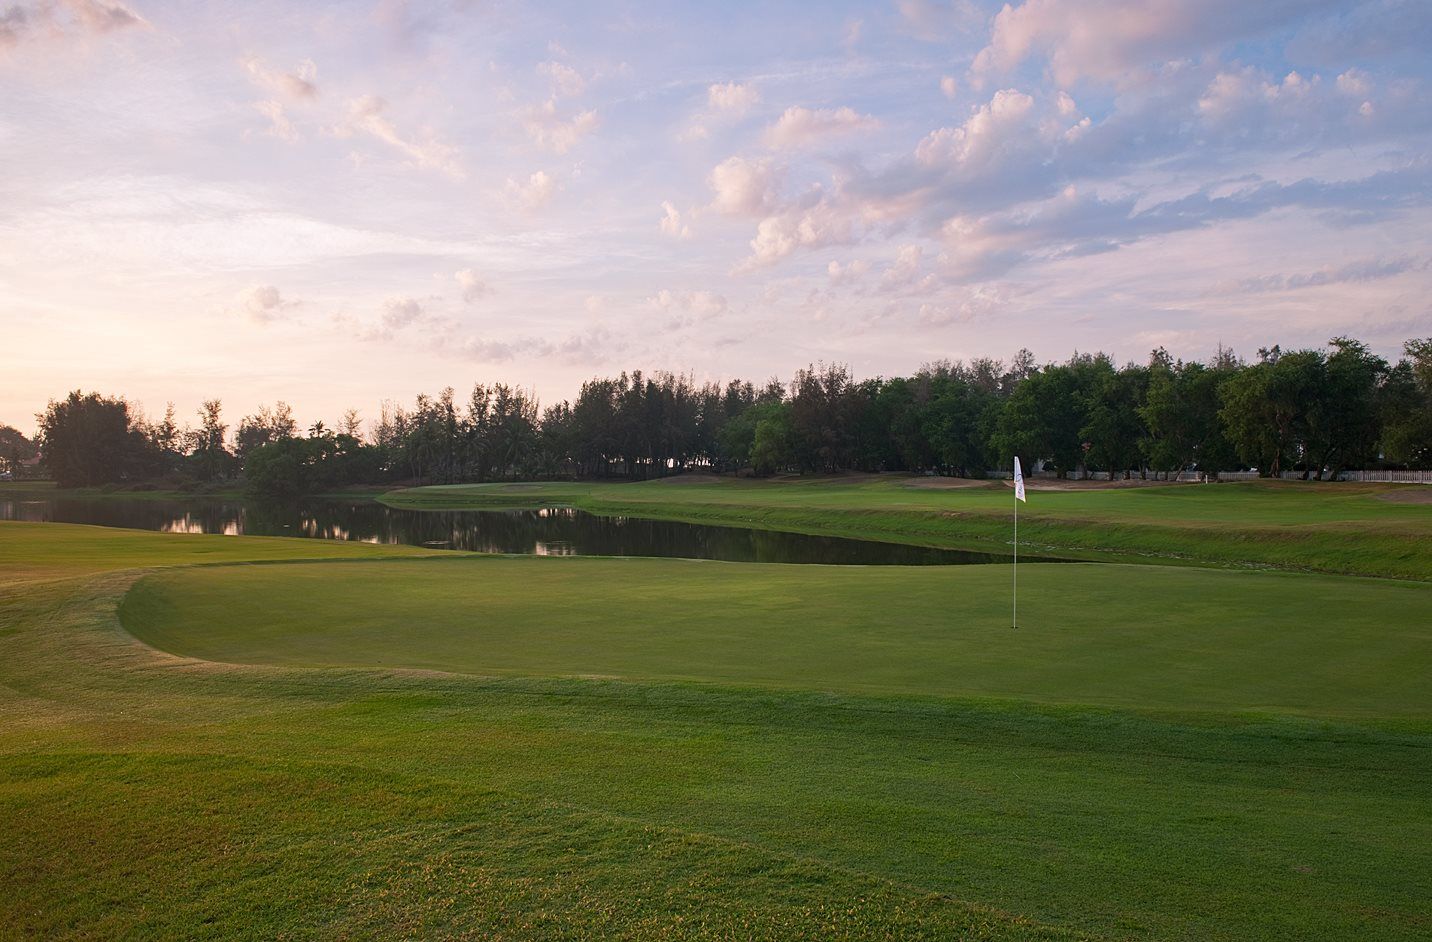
pixel 550 131
pixel 743 186
pixel 800 127
pixel 298 84
pixel 688 308
pixel 473 287
pixel 778 236
pixel 565 79
pixel 732 98
pixel 949 87
pixel 1114 40
pixel 401 312
pixel 533 193
pixel 368 115
pixel 263 304
pixel 65 19
pixel 672 223
pixel 849 273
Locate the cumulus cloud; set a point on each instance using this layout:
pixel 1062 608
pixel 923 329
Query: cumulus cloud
pixel 725 102
pixel 743 186
pixel 1112 40
pixel 565 79
pixel 672 223
pixel 473 287
pixel 549 130
pixel 368 115
pixel 688 308
pixel 63 20
pixel 903 274
pixel 297 83
pixel 949 86
pixel 818 224
pixel 732 98
pixel 848 273
pixel 533 193
pixel 401 312
pixel 264 304
pixel 801 127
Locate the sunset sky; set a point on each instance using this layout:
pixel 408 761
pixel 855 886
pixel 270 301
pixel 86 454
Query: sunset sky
pixel 339 203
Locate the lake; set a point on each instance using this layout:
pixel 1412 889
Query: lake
pixel 552 531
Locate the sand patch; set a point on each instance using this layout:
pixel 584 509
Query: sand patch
pixel 1411 495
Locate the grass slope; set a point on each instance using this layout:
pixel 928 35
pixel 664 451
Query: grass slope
pixel 1343 527
pixel 153 795
pixel 1143 637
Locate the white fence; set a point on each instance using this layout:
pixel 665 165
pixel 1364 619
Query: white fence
pixel 1370 477
pixel 1388 477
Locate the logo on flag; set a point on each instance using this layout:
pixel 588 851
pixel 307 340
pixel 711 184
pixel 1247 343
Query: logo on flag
pixel 1018 481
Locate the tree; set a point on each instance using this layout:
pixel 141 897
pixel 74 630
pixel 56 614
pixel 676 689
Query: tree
pixel 15 449
pixel 1405 407
pixel 1266 407
pixel 772 448
pixel 87 439
pixel 207 452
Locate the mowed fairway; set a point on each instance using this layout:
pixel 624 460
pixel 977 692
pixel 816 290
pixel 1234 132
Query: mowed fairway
pixel 1143 637
pixel 347 741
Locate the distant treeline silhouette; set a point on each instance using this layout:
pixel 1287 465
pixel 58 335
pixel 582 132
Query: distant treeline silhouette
pixel 1313 411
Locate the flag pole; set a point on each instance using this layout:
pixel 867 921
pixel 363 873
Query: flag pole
pixel 1018 499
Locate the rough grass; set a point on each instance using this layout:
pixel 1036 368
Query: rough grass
pixel 148 794
pixel 1326 527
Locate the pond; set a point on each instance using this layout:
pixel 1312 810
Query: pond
pixel 552 531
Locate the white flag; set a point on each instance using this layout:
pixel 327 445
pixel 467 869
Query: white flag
pixel 1018 481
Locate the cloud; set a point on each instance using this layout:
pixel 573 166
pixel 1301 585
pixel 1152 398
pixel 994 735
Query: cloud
pixel 672 223
pixel 849 273
pixel 743 186
pixel 550 131
pixel 400 312
pixel 65 19
pixel 688 308
pixel 903 275
pixel 263 304
pixel 368 115
pixel 732 98
pixel 820 223
pixel 725 102
pixel 1370 269
pixel 565 79
pixel 473 287
pixel 294 86
pixel 98 16
pixel 297 84
pixel 801 127
pixel 533 193
pixel 949 87
pixel 1114 40
pixel 936 21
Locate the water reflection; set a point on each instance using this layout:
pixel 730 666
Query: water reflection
pixel 553 531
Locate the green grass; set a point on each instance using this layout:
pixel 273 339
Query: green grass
pixel 778 793
pixel 1342 527
pixel 1129 636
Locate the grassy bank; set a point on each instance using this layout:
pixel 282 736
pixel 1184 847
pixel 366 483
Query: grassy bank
pixel 1377 530
pixel 149 793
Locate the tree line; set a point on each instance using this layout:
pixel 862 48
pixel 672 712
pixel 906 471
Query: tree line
pixel 1315 411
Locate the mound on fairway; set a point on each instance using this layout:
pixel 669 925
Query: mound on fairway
pixel 1129 636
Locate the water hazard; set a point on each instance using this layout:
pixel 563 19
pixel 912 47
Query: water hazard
pixel 553 531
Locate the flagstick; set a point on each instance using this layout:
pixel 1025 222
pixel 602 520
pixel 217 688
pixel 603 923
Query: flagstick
pixel 1014 620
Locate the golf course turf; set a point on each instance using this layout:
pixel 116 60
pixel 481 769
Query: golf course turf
pixel 229 737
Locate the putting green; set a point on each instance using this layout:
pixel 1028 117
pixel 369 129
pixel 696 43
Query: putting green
pixel 1150 638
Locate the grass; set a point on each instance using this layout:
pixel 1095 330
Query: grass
pixel 1248 781
pixel 1226 641
pixel 1329 527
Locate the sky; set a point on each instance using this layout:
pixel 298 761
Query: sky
pixel 334 204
